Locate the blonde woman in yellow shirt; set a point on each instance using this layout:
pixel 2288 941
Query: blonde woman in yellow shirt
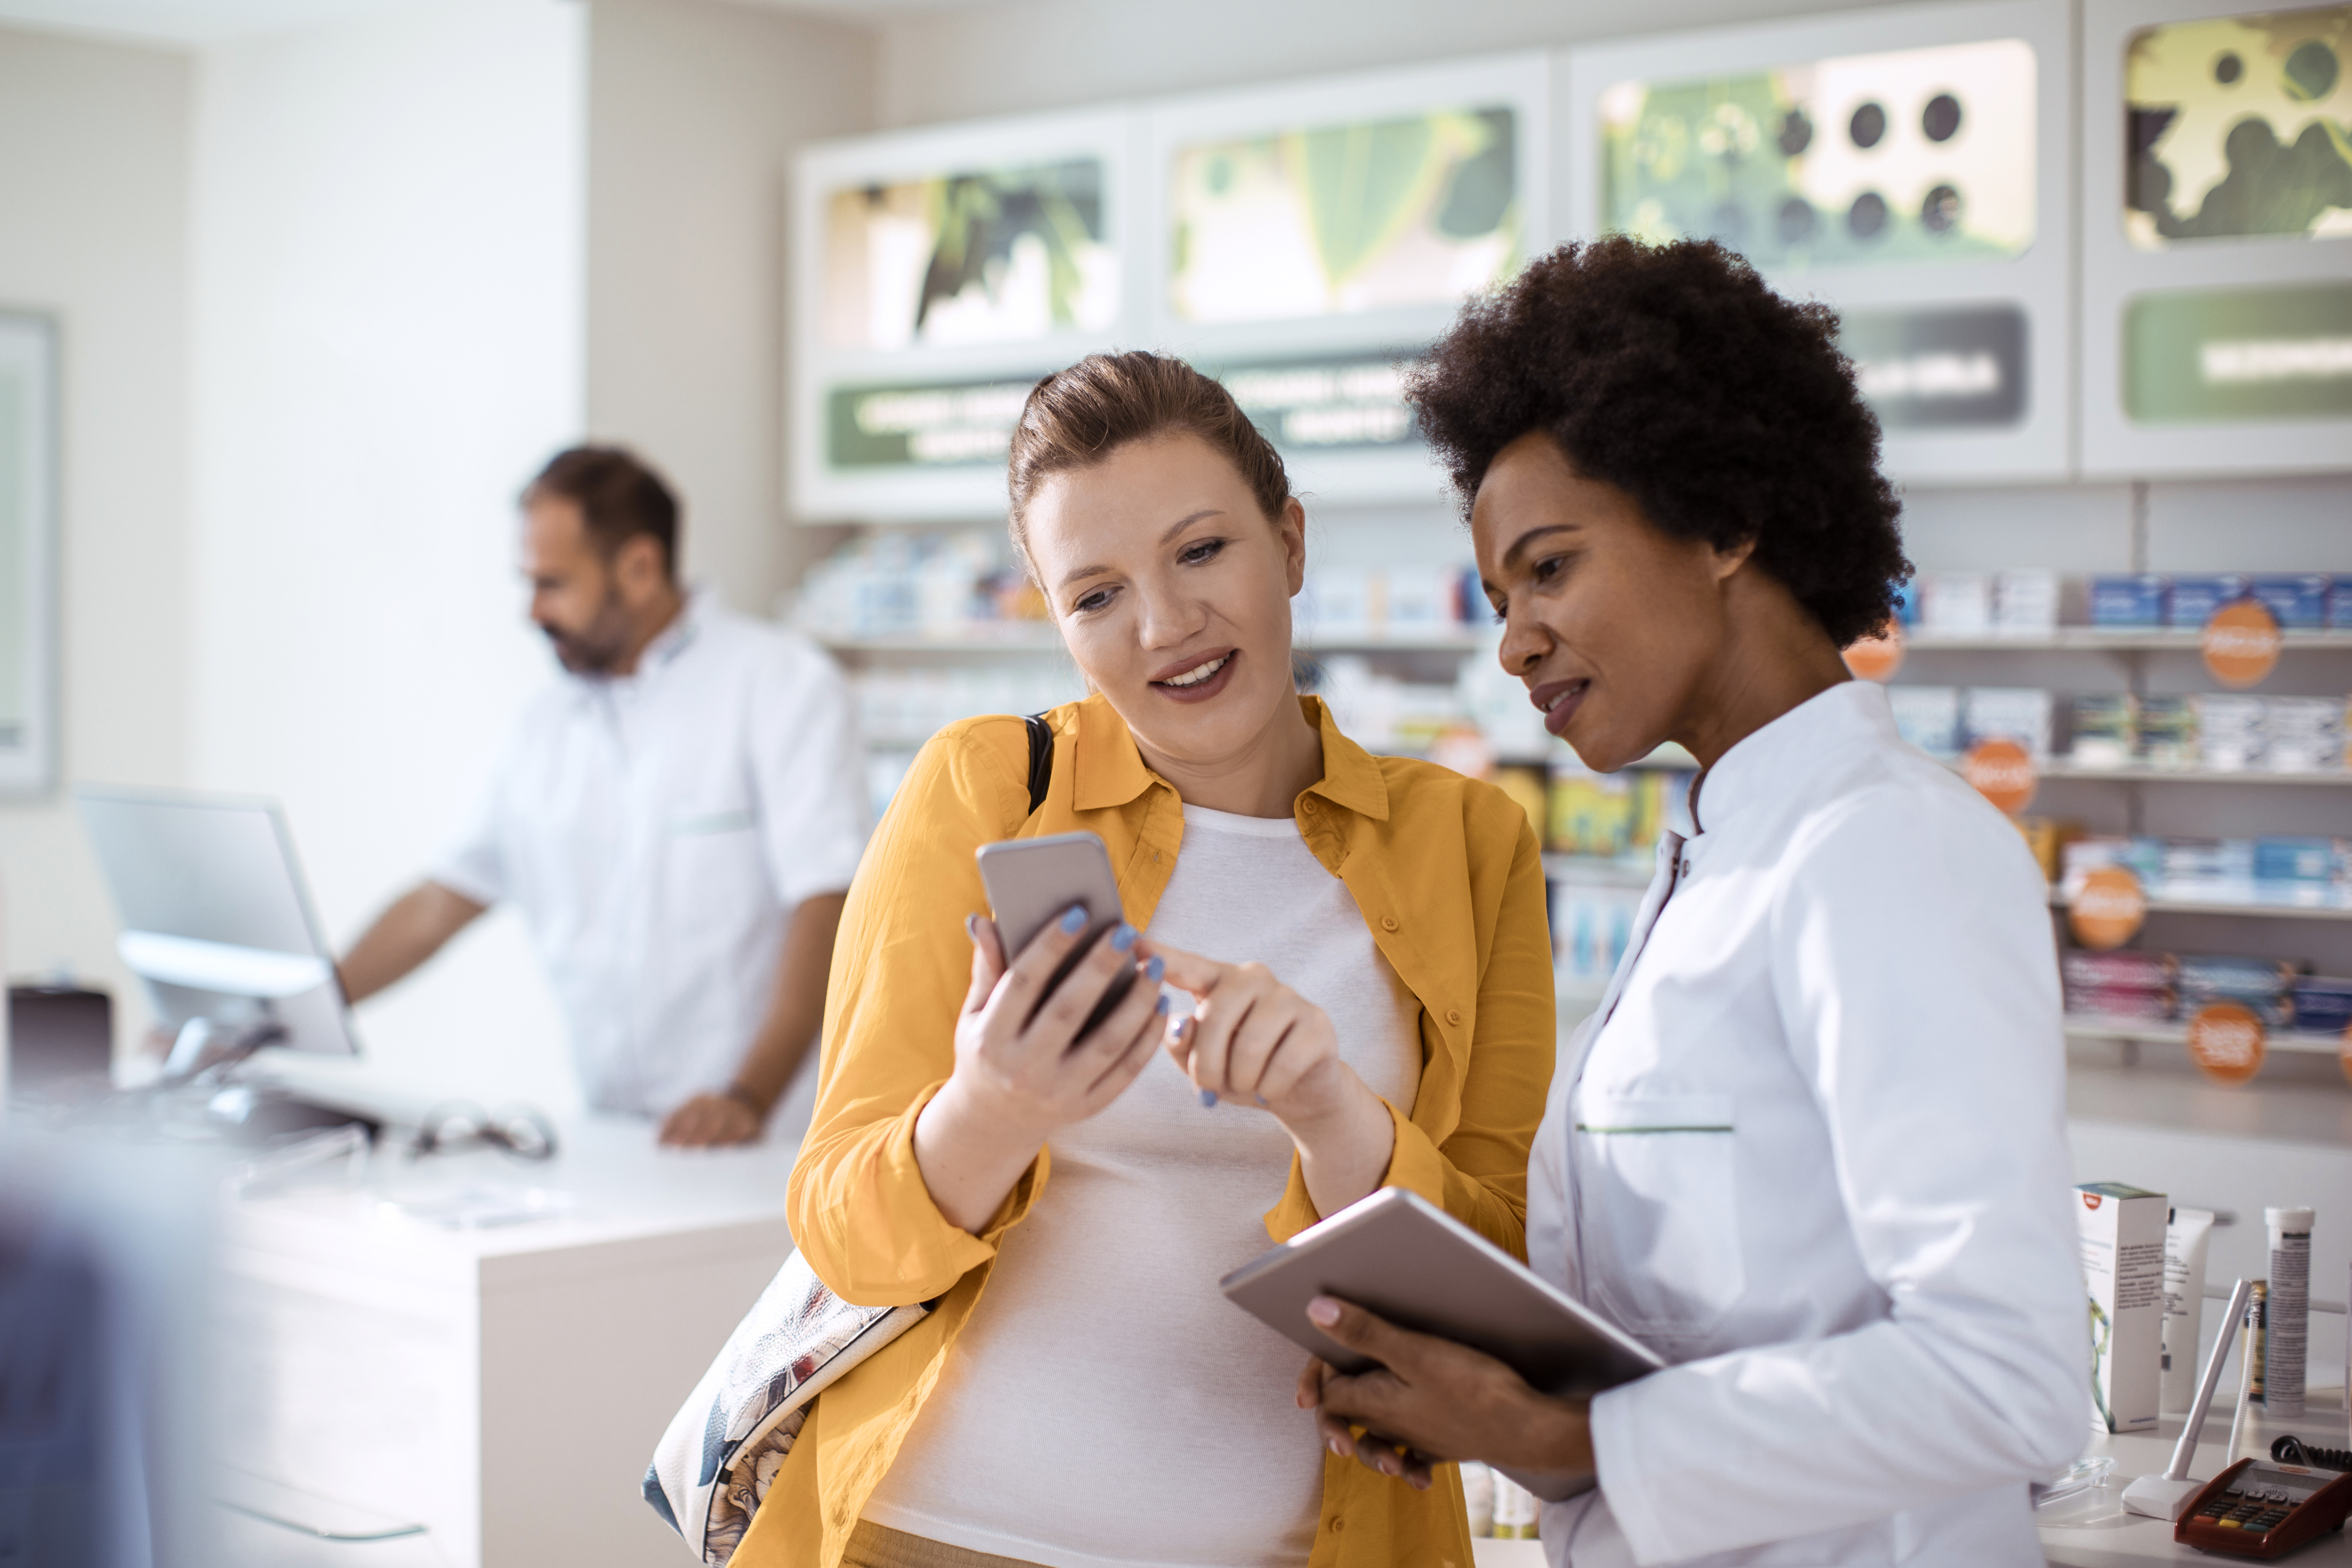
pixel 1363 944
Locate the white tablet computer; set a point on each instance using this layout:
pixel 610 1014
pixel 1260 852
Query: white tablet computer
pixel 1421 1268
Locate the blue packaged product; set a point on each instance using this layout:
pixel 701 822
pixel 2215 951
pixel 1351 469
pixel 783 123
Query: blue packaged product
pixel 2339 603
pixel 2194 599
pixel 2206 975
pixel 1907 603
pixel 2298 603
pixel 2301 860
pixel 2134 602
pixel 2323 1003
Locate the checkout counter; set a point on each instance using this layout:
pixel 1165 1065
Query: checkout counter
pixel 473 1357
pixel 465 1360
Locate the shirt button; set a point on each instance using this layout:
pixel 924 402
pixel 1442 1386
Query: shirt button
pixel 1337 1525
pixel 1308 806
pixel 1454 1014
pixel 1388 922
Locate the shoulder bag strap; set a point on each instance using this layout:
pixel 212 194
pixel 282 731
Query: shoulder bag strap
pixel 1041 758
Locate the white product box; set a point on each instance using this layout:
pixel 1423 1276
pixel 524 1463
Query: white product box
pixel 1928 717
pixel 1954 603
pixel 2018 714
pixel 2121 1231
pixel 2025 603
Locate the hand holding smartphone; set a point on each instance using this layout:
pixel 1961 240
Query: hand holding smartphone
pixel 1033 883
pixel 1053 1029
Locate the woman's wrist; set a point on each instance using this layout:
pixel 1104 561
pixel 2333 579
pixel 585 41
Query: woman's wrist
pixel 1344 1151
pixel 971 1156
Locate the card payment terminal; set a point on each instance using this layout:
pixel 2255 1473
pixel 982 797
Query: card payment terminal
pixel 2259 1508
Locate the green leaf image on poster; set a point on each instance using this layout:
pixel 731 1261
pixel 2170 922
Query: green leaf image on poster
pixel 2238 126
pixel 2215 355
pixel 1910 156
pixel 985 257
pixel 1329 220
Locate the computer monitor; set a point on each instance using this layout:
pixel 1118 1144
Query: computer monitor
pixel 216 919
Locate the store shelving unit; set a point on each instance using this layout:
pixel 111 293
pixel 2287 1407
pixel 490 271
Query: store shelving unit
pixel 2163 1032
pixel 2102 639
pixel 1039 638
pixel 2232 906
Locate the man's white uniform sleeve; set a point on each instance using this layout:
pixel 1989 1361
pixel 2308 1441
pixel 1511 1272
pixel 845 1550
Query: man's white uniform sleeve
pixel 472 863
pixel 1920 995
pixel 809 769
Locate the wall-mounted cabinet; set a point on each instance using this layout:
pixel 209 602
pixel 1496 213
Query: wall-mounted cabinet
pixel 1911 168
pixel 1916 168
pixel 2216 305
pixel 1308 239
pixel 936 275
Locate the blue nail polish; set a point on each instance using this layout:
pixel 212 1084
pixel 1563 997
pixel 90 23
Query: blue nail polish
pixel 1123 938
pixel 971 927
pixel 1155 969
pixel 1076 920
pixel 1208 1098
pixel 1162 1004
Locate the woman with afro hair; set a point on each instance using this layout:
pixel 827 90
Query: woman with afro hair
pixel 1811 1149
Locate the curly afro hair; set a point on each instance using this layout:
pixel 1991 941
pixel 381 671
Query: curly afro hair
pixel 1673 373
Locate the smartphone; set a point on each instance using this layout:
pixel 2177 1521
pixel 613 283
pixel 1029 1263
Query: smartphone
pixel 1032 881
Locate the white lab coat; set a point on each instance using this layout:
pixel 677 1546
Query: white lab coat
pixel 657 830
pixel 1812 1152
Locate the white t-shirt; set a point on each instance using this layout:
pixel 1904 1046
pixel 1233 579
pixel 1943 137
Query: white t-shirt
pixel 1105 1406
pixel 657 830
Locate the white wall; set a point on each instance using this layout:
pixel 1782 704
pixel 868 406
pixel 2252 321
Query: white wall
pixel 694 109
pixel 388 263
pixel 93 230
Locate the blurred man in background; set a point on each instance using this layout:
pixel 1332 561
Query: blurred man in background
pixel 679 816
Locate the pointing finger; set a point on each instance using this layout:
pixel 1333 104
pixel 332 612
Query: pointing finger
pixel 1186 971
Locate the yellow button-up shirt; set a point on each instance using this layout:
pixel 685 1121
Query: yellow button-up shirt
pixel 1449 878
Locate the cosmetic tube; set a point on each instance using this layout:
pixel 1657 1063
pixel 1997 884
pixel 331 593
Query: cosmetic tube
pixel 2185 1239
pixel 2286 1326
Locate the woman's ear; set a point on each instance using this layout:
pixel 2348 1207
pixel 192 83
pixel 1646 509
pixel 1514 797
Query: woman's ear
pixel 1292 526
pixel 1730 559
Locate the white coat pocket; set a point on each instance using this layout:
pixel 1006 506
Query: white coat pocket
pixel 1658 1203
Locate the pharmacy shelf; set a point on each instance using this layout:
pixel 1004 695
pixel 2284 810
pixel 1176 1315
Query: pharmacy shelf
pixel 2291 1108
pixel 2098 640
pixel 1577 993
pixel 2158 1032
pixel 1033 637
pixel 2058 901
pixel 2338 779
pixel 1599 871
pixel 1039 636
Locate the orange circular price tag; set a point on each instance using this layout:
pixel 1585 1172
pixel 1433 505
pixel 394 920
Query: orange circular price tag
pixel 2225 1041
pixel 2108 910
pixel 2003 771
pixel 1877 657
pixel 2241 643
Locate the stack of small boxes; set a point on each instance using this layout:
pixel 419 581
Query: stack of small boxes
pixel 2298 601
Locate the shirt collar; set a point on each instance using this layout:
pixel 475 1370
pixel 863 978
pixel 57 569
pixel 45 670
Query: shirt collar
pixel 1107 770
pixel 1781 758
pixel 684 628
pixel 668 643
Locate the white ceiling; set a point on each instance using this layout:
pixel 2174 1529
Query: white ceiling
pixel 211 21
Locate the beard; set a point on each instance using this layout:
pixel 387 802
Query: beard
pixel 594 648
